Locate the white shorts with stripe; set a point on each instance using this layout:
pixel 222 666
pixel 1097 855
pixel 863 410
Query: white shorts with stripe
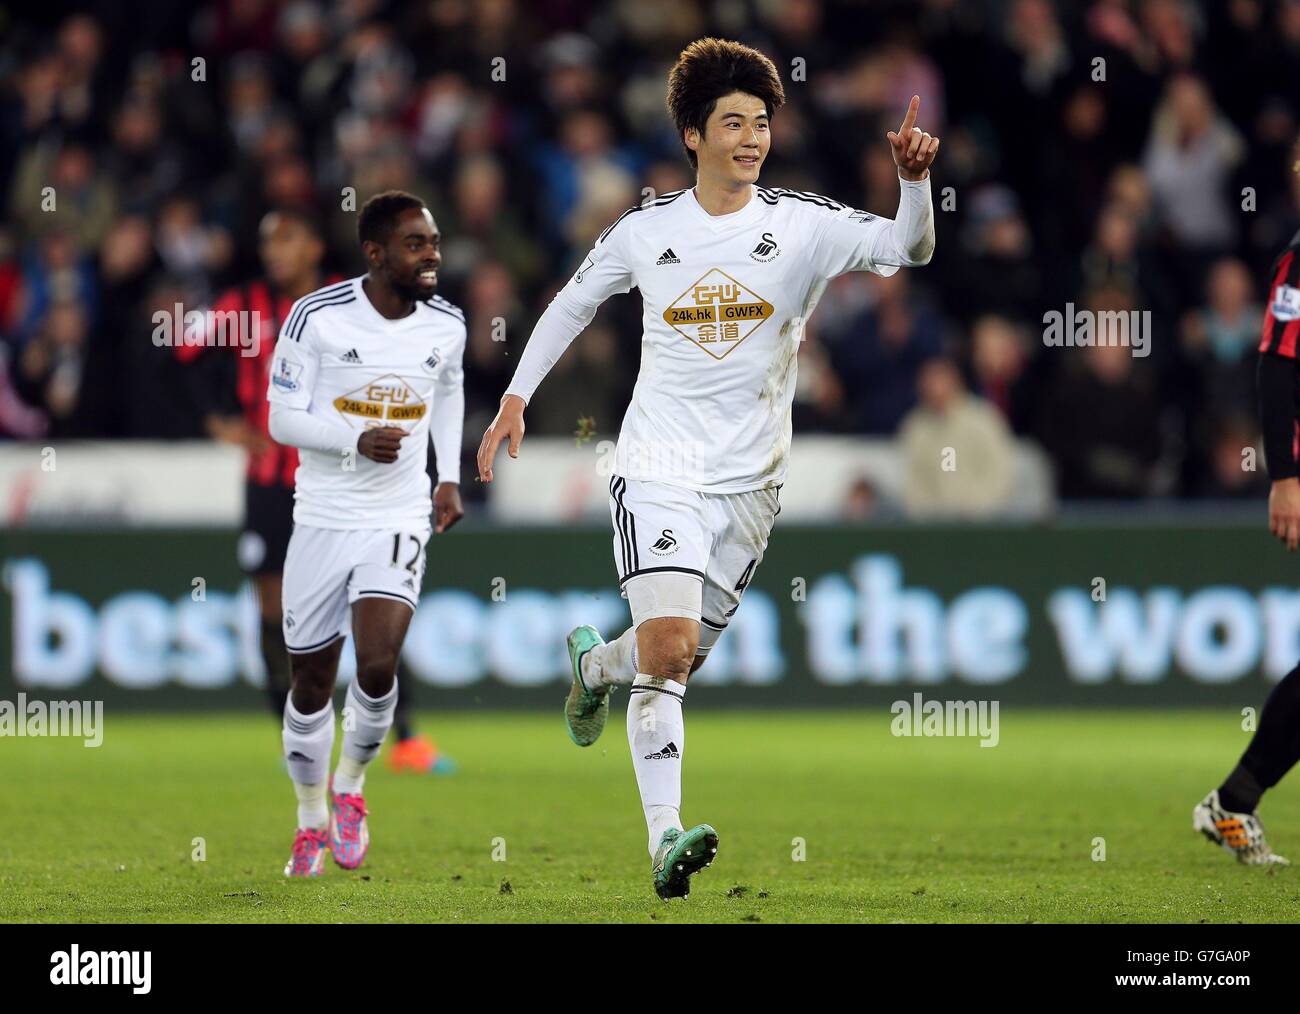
pixel 664 533
pixel 327 569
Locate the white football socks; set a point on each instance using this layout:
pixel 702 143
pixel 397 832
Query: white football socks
pixel 657 737
pixel 364 727
pixel 312 808
pixel 308 743
pixel 611 664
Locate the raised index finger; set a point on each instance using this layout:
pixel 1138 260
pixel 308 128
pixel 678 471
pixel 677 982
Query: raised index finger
pixel 910 119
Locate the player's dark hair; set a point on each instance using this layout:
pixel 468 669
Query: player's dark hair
pixel 707 70
pixel 379 214
pixel 305 217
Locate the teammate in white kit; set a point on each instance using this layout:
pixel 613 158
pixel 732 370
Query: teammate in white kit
pixel 728 272
pixel 365 374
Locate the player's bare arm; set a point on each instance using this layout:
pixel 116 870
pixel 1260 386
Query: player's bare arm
pixel 1275 383
pixel 1284 512
pixel 914 149
pixel 508 425
pixel 233 429
pixel 447 508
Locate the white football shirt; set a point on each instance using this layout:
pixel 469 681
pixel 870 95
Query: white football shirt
pixel 344 363
pixel 725 299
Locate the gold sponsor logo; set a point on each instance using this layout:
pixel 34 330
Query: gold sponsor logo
pixel 389 399
pixel 717 313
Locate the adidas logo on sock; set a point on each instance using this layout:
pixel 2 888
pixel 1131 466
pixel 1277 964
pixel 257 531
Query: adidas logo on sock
pixel 668 257
pixel 350 356
pixel 298 756
pixel 667 753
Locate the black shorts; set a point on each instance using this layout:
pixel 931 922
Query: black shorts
pixel 268 523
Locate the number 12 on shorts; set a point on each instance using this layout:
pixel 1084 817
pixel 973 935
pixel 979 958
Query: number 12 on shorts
pixel 415 549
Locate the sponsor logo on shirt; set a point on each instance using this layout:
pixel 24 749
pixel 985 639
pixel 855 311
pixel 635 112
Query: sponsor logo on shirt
pixel 717 313
pixel 384 401
pixel 285 375
pixel 668 257
pixel 767 249
pixel 1286 303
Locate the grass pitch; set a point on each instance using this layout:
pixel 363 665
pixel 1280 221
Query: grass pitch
pixel 822 817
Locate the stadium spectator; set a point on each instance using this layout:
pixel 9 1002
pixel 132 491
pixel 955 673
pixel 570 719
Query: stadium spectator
pixel 1189 159
pixel 1221 337
pixel 820 401
pixel 1117 255
pixel 1236 469
pixel 58 186
pixel 879 351
pixel 1101 421
pixel 17 418
pixel 192 250
pixel 54 270
pixel 864 502
pixel 144 165
pixel 1000 270
pixel 529 127
pixel 1001 361
pixel 957 450
pixel 51 368
pixel 479 225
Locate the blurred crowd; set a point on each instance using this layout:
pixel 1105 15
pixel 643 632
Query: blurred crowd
pixel 1112 154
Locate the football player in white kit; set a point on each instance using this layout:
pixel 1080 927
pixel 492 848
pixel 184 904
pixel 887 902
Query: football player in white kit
pixel 366 373
pixel 729 272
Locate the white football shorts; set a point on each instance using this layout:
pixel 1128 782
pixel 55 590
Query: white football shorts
pixel 680 552
pixel 327 569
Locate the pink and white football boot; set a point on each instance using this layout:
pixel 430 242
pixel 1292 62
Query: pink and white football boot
pixel 349 837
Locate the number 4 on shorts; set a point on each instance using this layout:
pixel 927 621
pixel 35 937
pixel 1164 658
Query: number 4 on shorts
pixel 741 585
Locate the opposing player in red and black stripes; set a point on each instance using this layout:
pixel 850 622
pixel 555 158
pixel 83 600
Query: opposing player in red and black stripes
pixel 235 410
pixel 1227 815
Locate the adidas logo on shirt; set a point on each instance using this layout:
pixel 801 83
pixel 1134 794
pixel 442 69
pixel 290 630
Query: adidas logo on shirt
pixel 668 257
pixel 667 753
pixel 350 356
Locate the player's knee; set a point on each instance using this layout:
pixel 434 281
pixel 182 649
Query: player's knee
pixel 311 674
pixel 678 666
pixel 376 671
pixel 671 654
pixel 310 687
